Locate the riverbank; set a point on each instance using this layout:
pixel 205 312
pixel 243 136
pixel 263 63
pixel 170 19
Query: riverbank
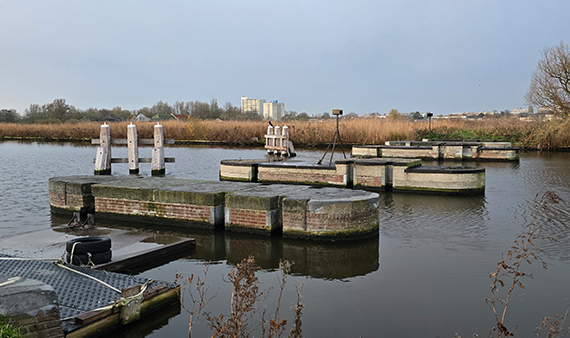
pixel 550 135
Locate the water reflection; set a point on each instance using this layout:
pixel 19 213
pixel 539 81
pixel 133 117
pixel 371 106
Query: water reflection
pixel 142 328
pixel 450 221
pixel 315 259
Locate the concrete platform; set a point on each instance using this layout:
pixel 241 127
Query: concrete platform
pixel 375 174
pixel 131 248
pixel 440 150
pixel 235 206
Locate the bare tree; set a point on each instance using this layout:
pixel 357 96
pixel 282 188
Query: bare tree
pixel 550 83
pixel 181 107
pixel 58 110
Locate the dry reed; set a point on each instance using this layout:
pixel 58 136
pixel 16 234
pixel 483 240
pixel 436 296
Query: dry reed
pixel 529 135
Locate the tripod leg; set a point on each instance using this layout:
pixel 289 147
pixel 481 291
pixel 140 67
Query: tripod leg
pixel 325 154
pixel 341 147
pixel 332 154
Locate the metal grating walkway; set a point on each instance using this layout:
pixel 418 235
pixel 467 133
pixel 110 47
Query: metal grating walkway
pixel 76 294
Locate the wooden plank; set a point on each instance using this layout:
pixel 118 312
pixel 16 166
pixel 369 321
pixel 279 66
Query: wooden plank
pixel 92 316
pixel 141 160
pixel 124 141
pixel 149 293
pixel 132 262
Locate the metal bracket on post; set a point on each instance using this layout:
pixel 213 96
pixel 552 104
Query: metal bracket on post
pixel 131 311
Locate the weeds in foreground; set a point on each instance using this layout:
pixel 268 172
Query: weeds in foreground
pixel 509 271
pixel 197 292
pixel 553 326
pixel 7 330
pixel 244 304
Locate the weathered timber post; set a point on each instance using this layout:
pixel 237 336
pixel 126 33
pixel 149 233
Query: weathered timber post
pixel 103 159
pixel 133 145
pixel 277 139
pixel 269 140
pixel 286 139
pixel 158 152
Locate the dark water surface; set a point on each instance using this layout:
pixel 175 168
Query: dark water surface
pixel 425 275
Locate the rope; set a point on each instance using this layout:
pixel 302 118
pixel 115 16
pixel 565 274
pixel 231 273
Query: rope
pixel 26 259
pixel 61 264
pixel 123 301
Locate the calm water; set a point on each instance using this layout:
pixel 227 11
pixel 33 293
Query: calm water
pixel 425 275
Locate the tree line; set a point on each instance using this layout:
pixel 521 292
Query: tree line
pixel 60 111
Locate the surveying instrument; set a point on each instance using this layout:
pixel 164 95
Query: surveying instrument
pixel 337 113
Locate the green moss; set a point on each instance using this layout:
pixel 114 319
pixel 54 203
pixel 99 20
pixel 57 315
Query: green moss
pixel 7 330
pixel 477 190
pixel 267 202
pixel 224 178
pixel 332 234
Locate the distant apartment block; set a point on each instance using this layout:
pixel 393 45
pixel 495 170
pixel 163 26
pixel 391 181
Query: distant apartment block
pixel 273 110
pixel 252 105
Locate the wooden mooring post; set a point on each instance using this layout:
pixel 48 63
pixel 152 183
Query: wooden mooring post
pixel 133 145
pixel 158 152
pixel 277 142
pixel 104 160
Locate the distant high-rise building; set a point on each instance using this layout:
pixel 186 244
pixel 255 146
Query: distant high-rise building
pixel 252 105
pixel 273 110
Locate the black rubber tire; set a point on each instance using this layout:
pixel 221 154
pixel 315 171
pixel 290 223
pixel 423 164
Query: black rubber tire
pixel 96 258
pixel 88 244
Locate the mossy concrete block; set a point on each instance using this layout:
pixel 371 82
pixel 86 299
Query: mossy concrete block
pixel 260 196
pixel 302 173
pixel 239 170
pixel 498 154
pixel 202 193
pixel 257 209
pixel 138 189
pixel 74 193
pixel 408 152
pixel 330 213
pixel 367 151
pixel 440 179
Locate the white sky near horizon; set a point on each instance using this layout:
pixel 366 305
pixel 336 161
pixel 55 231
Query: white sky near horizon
pixel 363 56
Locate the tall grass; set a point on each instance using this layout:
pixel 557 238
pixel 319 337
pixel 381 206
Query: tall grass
pixel 528 135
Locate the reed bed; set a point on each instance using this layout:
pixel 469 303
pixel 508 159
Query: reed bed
pixel 528 135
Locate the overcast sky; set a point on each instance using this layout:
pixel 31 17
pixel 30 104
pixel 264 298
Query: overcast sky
pixel 363 56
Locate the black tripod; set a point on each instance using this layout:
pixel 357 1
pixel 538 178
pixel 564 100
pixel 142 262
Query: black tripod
pixel 336 135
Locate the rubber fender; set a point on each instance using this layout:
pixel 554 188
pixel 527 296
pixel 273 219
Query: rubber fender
pixel 88 244
pixel 96 258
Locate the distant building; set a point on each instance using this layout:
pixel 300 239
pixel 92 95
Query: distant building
pixel 252 105
pixel 273 110
pixel 518 111
pixel 180 117
pixel 142 117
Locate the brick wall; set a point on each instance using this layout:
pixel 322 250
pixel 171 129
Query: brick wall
pixel 42 325
pixel 305 177
pixel 342 222
pixel 247 218
pixel 187 212
pixel 370 181
pixel 294 220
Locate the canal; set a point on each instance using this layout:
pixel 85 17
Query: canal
pixel 425 275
